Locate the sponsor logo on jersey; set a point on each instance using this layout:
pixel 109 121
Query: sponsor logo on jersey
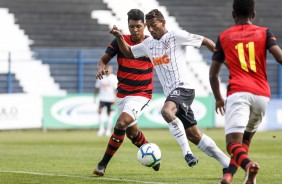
pixel 161 60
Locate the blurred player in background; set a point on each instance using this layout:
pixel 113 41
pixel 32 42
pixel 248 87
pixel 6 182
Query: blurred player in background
pixel 243 48
pixel 105 89
pixel 135 85
pixel 166 51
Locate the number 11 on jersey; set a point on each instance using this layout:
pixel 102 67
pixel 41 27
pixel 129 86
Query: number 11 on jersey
pixel 251 53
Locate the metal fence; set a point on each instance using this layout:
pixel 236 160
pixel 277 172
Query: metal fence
pixel 84 64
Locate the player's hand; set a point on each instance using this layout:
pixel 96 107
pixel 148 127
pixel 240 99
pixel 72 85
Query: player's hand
pixel 101 71
pixel 219 107
pixel 115 31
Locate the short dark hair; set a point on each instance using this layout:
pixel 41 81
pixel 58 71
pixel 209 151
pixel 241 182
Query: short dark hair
pixel 135 14
pixel 244 8
pixel 155 13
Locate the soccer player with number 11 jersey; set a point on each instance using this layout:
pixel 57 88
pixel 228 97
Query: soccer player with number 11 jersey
pixel 243 48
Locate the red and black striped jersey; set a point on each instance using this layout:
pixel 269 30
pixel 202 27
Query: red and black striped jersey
pixel 135 76
pixel 243 48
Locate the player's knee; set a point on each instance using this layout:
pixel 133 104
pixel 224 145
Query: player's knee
pixel 167 114
pixel 121 125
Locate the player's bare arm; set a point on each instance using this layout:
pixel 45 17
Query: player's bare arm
pixel 214 72
pixel 101 66
pixel 124 47
pixel 209 44
pixel 276 52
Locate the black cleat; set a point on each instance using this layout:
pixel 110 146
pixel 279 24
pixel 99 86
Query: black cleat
pixel 99 170
pixel 191 159
pixel 157 167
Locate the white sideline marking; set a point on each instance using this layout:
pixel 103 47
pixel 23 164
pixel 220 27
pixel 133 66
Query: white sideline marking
pixel 81 177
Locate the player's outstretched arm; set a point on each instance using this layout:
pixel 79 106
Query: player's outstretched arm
pixel 209 44
pixel 124 47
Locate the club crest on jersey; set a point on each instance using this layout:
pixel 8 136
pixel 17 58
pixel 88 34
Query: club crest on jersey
pixel 175 93
pixel 166 44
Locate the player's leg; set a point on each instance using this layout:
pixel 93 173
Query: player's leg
pixel 129 110
pixel 236 118
pixel 176 128
pixel 259 105
pixel 132 132
pixel 101 123
pixel 138 139
pixel 233 166
pixel 116 138
pixel 204 142
pixel 244 113
pixel 136 136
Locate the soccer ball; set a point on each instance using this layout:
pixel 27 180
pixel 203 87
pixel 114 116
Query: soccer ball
pixel 149 154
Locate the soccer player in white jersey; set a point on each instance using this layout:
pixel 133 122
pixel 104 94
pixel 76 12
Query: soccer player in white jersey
pixel 106 90
pixel 166 51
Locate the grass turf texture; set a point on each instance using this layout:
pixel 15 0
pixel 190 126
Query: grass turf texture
pixel 68 157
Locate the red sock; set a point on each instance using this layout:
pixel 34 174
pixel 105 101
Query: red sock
pixel 233 166
pixel 246 145
pixel 139 140
pixel 113 145
pixel 239 154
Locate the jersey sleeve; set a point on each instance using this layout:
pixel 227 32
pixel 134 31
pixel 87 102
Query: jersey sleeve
pixel 139 50
pixel 218 54
pixel 188 39
pixel 270 39
pixel 113 48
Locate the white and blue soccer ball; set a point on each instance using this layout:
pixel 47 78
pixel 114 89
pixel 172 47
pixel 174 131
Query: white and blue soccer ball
pixel 149 154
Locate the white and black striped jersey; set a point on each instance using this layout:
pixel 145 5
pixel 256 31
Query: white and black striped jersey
pixel 168 56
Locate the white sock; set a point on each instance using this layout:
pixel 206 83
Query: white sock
pixel 176 129
pixel 208 146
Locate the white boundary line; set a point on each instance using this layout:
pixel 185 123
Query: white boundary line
pixel 81 177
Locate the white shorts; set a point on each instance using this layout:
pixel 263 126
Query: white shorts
pixel 244 111
pixel 132 105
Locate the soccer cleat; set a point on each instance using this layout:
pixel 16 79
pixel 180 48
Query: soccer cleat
pixel 157 167
pixel 251 173
pixel 191 159
pixel 99 170
pixel 226 179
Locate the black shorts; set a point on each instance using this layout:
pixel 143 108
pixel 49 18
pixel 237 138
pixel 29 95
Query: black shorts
pixel 108 105
pixel 183 98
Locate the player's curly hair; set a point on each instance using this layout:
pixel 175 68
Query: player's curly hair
pixel 155 13
pixel 135 14
pixel 244 8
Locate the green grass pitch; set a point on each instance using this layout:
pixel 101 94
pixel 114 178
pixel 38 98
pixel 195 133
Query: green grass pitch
pixel 69 157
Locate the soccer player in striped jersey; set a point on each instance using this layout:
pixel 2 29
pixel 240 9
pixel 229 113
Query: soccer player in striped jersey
pixel 134 91
pixel 166 51
pixel 243 48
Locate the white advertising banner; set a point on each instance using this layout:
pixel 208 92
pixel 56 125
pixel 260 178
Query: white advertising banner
pixel 20 111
